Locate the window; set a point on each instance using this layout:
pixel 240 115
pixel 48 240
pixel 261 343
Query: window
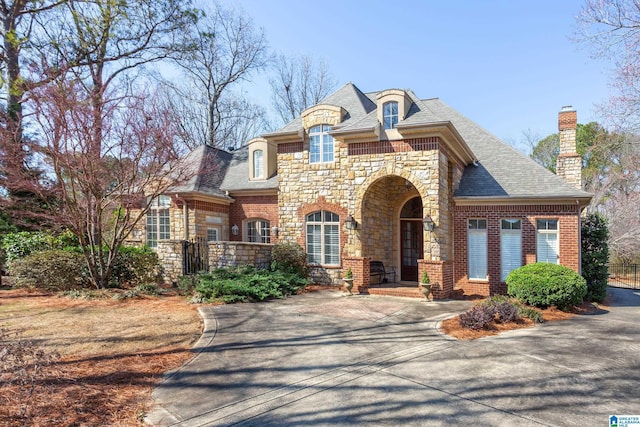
pixel 320 144
pixel 510 246
pixel 158 221
pixel 258 231
pixel 258 164
pixel 213 235
pixel 323 238
pixel 390 115
pixel 547 241
pixel 477 246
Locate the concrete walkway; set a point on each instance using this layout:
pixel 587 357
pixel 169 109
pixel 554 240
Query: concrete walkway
pixel 325 359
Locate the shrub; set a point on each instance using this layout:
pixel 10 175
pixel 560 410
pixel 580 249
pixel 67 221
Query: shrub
pixel 23 243
pixel 530 313
pixel 544 285
pixel 595 255
pixel 245 283
pixel 135 266
pixel 187 284
pixel 477 317
pixel 53 270
pixel 290 258
pixel 506 312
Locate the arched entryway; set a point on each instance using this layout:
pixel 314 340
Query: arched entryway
pixel 411 239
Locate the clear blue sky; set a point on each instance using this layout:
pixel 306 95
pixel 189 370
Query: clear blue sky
pixel 509 65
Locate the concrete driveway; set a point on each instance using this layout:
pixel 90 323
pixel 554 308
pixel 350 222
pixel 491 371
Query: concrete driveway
pixel 325 359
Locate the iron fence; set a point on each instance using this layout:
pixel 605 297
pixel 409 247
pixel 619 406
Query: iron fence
pixel 195 256
pixel 624 276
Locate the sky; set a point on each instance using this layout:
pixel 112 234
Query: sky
pixel 509 65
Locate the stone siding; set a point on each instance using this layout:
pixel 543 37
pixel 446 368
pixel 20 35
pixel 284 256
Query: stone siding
pixel 170 258
pixel 231 254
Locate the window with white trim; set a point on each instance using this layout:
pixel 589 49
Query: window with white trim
pixel 547 241
pixel 258 231
pixel 213 234
pixel 158 221
pixel 258 164
pixel 320 144
pixel 323 238
pixel 510 246
pixel 390 114
pixel 477 248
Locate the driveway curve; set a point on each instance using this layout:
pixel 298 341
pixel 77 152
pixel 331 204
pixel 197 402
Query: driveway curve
pixel 325 359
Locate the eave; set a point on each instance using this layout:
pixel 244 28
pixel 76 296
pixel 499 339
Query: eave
pixel 193 195
pixel 581 201
pixel 446 131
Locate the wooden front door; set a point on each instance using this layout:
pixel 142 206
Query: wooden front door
pixel 411 249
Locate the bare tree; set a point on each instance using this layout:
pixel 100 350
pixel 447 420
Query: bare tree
pixel 102 198
pixel 225 48
pixel 299 83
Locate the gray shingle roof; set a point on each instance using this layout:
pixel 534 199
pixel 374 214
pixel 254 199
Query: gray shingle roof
pixel 209 166
pixel 237 176
pixel 502 171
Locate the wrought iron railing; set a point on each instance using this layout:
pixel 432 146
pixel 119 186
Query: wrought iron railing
pixel 624 276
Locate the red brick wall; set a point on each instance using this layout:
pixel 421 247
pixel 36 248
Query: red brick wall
pixel 569 232
pixel 247 207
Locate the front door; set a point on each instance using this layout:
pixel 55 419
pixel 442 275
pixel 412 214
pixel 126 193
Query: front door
pixel 411 249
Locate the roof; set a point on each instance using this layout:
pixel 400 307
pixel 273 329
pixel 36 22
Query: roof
pixel 237 176
pixel 501 170
pixel 209 167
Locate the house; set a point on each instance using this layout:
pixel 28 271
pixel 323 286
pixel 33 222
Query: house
pixel 390 177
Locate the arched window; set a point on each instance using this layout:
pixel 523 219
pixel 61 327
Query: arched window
pixel 390 114
pixel 258 231
pixel 320 144
pixel 158 221
pixel 323 238
pixel 258 164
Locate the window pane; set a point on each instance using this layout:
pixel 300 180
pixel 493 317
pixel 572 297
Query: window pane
pixel 165 225
pixel 477 245
pixel 314 148
pixel 547 247
pixel 315 217
pixel 314 244
pixel 331 217
pixel 331 244
pixel 212 234
pixel 257 164
pixel 252 232
pixel 510 247
pixel 152 229
pixel 327 148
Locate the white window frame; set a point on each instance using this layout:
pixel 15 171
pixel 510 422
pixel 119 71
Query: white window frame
pixel 323 238
pixel 321 145
pixel 510 246
pixel 477 248
pixel 257 230
pixel 213 234
pixel 158 223
pixel 543 234
pixel 258 164
pixel 389 116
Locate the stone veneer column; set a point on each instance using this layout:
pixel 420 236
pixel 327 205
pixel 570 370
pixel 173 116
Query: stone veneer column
pixel 569 163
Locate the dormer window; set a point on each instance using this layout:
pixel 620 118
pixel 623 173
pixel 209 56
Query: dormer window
pixel 320 144
pixel 390 114
pixel 258 164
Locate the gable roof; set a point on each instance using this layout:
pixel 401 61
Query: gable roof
pixel 237 175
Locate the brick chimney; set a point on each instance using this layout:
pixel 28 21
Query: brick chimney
pixel 569 163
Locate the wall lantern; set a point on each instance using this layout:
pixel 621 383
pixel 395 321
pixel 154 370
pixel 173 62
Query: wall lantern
pixel 235 229
pixel 274 231
pixel 428 224
pixel 351 223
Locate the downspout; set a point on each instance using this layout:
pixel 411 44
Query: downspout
pixel 185 217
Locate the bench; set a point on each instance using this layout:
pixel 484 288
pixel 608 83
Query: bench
pixel 379 274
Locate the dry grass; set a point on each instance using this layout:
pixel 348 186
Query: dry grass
pixel 112 355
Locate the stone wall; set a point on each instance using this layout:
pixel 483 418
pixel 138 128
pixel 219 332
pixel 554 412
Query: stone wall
pixel 170 257
pixel 229 254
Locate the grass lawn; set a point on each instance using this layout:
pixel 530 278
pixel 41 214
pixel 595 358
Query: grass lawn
pixel 112 353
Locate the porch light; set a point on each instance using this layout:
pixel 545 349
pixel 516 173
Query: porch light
pixel 351 223
pixel 428 224
pixel 274 231
pixel 235 229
